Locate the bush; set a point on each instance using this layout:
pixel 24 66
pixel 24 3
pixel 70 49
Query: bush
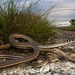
pixel 26 22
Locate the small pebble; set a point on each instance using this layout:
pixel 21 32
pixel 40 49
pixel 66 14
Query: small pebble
pixel 59 68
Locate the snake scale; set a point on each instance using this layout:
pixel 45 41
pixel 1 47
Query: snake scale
pixel 31 44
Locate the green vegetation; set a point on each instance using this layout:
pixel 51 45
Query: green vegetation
pixel 23 21
pixel 72 21
pixel 68 28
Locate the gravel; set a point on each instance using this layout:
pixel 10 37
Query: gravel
pixel 56 68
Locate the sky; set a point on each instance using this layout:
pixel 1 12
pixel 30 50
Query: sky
pixel 63 11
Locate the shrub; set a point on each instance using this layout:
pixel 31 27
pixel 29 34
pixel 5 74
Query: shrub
pixel 28 23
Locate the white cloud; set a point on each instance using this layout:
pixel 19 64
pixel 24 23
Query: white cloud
pixel 53 0
pixel 64 9
pixel 63 12
pixel 26 4
pixel 57 0
pixel 62 4
pixel 69 5
pixel 66 23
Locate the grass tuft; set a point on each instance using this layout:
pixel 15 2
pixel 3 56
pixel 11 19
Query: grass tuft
pixel 23 21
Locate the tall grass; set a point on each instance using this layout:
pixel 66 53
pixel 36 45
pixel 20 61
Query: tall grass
pixel 23 21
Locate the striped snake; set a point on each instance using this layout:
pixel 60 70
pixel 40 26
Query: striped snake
pixel 24 59
pixel 30 44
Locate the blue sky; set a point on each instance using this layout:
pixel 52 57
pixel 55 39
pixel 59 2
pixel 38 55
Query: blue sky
pixel 61 5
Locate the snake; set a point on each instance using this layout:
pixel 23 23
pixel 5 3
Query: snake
pixel 4 46
pixel 17 44
pixel 30 44
pixel 62 54
pixel 40 61
pixel 10 57
pixel 41 48
pixel 8 63
pixel 21 45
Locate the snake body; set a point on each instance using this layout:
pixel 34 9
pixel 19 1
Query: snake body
pixel 8 63
pixel 10 57
pixel 4 46
pixel 40 61
pixel 41 48
pixel 21 45
pixel 64 55
pixel 31 44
